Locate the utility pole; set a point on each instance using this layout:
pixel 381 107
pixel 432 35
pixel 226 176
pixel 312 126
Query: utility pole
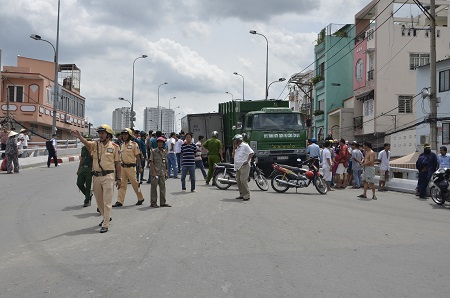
pixel 433 99
pixel 8 123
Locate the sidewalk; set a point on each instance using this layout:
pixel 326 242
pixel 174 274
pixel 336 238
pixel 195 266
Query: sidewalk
pixel 31 162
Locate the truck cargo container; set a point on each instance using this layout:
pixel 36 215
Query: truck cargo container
pixel 203 125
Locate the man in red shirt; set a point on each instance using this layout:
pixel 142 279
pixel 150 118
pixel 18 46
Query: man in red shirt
pixel 343 163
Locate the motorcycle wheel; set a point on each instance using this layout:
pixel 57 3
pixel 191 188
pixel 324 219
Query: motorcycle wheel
pixel 320 185
pixel 277 186
pixel 219 184
pixel 261 181
pixel 435 193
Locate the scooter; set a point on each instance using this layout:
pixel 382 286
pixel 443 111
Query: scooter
pixel 439 186
pixel 285 177
pixel 225 175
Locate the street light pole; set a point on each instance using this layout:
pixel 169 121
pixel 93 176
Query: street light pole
pixel 173 122
pixel 279 80
pixel 232 97
pixel 176 128
pixel 157 123
pixel 132 93
pixel 130 114
pixel 55 60
pixel 267 59
pixel 170 100
pixel 243 84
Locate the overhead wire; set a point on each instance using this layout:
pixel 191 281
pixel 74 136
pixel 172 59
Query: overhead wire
pixel 352 40
pixel 337 42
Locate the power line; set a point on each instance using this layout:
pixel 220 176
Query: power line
pixel 352 40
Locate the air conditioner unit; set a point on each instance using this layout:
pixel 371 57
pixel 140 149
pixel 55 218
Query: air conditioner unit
pixel 424 139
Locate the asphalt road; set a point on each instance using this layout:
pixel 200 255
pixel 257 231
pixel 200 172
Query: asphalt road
pixel 211 245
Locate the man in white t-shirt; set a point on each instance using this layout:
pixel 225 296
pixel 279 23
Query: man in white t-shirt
pixel 171 157
pixel 198 156
pixel 242 154
pixel 24 138
pixel 327 164
pixel 383 158
pixel 178 143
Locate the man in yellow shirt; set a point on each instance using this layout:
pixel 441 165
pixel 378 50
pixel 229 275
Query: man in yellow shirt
pixel 130 155
pixel 105 168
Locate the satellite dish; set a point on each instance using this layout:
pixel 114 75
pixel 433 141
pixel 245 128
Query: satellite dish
pixel 425 93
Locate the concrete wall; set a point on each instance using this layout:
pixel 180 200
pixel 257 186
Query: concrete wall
pixel 423 107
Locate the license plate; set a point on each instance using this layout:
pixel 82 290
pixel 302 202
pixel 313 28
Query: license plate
pixel 282 157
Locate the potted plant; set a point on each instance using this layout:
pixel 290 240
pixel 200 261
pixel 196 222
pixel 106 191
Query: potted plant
pixel 318 112
pixel 321 37
pixel 317 79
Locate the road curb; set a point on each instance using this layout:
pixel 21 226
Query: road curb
pixel 31 162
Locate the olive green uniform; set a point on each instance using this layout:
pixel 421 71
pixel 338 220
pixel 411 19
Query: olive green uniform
pixel 158 158
pixel 214 146
pixel 84 179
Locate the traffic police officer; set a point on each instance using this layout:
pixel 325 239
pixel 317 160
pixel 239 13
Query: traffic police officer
pixel 158 168
pixel 130 155
pixel 214 147
pixel 84 172
pixel 106 167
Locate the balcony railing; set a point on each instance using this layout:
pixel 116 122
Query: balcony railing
pixel 358 122
pixel 370 74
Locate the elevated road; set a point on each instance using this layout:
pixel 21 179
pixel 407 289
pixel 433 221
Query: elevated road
pixel 211 245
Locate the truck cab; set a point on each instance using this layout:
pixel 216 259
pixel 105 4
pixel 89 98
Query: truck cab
pixel 276 135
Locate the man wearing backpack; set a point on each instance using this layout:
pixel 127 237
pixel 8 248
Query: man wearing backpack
pixel 426 164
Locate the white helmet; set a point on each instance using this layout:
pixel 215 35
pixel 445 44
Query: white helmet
pixel 215 133
pixel 238 137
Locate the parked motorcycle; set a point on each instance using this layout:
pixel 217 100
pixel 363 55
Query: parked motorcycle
pixel 285 177
pixel 439 186
pixel 225 175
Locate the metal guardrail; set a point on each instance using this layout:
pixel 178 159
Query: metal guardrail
pixel 38 148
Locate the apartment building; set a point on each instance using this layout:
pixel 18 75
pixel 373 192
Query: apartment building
pixel 422 108
pixel 121 118
pixel 333 81
pixel 27 92
pixel 166 120
pixel 387 50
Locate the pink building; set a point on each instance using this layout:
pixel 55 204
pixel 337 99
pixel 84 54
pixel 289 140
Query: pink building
pixel 27 90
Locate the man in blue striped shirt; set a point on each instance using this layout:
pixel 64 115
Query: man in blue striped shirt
pixel 188 150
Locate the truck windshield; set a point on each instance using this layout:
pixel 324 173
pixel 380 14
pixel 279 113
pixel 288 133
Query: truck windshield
pixel 277 122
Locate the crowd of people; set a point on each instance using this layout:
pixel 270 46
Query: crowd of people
pixel 121 161
pixel 14 145
pixel 353 165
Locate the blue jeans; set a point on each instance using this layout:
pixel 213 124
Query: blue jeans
pixel 172 164
pixel 199 164
pixel 357 177
pixel 179 161
pixel 191 170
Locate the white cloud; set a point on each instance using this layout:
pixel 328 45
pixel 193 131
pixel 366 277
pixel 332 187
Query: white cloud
pixel 194 45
